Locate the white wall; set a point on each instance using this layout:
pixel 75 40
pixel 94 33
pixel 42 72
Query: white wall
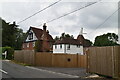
pixel 34 37
pixel 58 49
pixel 73 49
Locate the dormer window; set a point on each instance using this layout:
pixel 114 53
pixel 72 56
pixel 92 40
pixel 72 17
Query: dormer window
pixel 30 35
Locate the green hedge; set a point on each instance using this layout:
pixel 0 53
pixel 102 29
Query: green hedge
pixel 10 52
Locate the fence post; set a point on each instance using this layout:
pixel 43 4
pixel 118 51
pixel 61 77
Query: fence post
pixel 52 60
pixel 113 66
pixel 34 58
pixel 87 60
pixel 77 60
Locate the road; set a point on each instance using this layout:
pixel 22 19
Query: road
pixel 12 70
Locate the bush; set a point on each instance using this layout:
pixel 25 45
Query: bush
pixel 0 52
pixel 10 52
pixel 37 46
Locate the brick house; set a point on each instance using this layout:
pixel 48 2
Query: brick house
pixel 36 34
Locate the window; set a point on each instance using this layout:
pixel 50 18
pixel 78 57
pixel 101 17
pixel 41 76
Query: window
pixel 55 46
pixel 27 44
pixel 33 44
pixel 60 46
pixel 30 35
pixel 78 46
pixel 51 45
pixel 23 46
pixel 68 47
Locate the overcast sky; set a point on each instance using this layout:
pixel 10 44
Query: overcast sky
pixel 89 18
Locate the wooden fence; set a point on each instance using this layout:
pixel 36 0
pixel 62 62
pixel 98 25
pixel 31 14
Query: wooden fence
pixel 43 59
pixel 24 56
pixel 50 59
pixel 104 60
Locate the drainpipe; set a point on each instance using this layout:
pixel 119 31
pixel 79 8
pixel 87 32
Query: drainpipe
pixel 65 48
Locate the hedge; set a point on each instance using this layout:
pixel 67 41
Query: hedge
pixel 10 52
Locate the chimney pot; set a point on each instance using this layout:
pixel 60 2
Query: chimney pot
pixel 44 27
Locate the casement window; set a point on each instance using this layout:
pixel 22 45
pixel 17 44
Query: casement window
pixel 78 46
pixel 23 46
pixel 30 36
pixel 33 44
pixel 60 46
pixel 55 46
pixel 27 44
pixel 68 47
pixel 51 45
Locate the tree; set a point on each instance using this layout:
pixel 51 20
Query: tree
pixel 63 35
pixel 20 36
pixel 56 38
pixel 109 39
pixel 87 43
pixel 12 36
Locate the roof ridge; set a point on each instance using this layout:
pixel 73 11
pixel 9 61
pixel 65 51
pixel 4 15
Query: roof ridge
pixel 35 28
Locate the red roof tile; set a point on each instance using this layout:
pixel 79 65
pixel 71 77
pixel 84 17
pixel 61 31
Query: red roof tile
pixel 68 41
pixel 39 32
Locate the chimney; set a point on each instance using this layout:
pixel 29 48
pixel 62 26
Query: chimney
pixel 44 27
pixel 47 31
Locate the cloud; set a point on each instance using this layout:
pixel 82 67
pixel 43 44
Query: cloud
pixel 88 18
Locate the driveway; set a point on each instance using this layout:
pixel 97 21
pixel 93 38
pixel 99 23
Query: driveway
pixel 81 72
pixel 78 72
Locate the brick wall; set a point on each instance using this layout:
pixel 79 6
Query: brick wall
pixel 28 46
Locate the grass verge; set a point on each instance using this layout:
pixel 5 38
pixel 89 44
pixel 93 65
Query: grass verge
pixel 23 64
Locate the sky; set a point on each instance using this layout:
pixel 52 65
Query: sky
pixel 89 18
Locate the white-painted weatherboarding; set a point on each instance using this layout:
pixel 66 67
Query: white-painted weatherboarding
pixel 53 72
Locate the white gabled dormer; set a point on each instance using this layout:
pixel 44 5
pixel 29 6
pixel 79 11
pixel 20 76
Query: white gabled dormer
pixel 31 36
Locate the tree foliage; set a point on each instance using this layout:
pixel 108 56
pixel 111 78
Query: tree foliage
pixel 37 46
pixel 12 36
pixel 87 43
pixel 10 52
pixel 63 35
pixel 109 39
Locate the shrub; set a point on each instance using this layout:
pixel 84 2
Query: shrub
pixel 37 46
pixel 0 52
pixel 10 52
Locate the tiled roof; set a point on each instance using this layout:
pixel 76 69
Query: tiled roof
pixel 68 41
pixel 39 32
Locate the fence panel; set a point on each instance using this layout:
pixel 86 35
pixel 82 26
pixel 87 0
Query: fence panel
pixel 82 61
pixel 24 56
pixel 49 59
pixel 64 60
pixel 104 60
pixel 43 59
pixel 18 56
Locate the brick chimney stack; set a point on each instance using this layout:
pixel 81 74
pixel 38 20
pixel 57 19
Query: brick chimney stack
pixel 44 27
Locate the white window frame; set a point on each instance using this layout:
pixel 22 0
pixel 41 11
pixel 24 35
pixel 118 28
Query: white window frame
pixel 23 46
pixel 68 47
pixel 78 46
pixel 60 46
pixel 28 45
pixel 33 44
pixel 55 46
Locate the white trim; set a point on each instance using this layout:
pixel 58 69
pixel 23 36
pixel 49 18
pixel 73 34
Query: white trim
pixel 34 37
pixel 23 46
pixel 28 45
pixel 33 43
